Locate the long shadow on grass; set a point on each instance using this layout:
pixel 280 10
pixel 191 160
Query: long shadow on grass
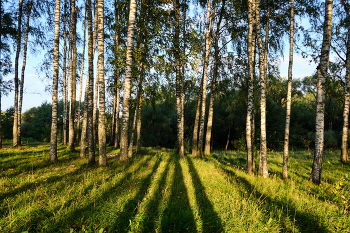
pixel 305 222
pixel 151 210
pixel 178 216
pixel 121 224
pixel 88 209
pixel 210 219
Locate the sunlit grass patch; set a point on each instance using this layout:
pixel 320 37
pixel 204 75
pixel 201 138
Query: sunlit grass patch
pixel 158 191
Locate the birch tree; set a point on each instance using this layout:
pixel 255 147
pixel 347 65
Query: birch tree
pixel 322 72
pixel 209 27
pixel 73 78
pixel 29 9
pixel 101 122
pixel 53 142
pixel 344 157
pixel 15 117
pixel 127 84
pixel 289 93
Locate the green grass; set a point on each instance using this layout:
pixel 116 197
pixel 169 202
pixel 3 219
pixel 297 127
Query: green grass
pixel 158 191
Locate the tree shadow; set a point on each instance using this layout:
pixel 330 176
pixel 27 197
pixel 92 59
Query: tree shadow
pixel 122 222
pixel 304 222
pixel 178 215
pixel 151 213
pixel 210 219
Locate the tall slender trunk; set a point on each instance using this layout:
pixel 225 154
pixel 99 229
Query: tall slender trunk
pixel 127 84
pixel 101 122
pixel 180 139
pixel 250 100
pixel 183 70
pixel 138 129
pixel 73 79
pixel 64 131
pixel 95 102
pixel 196 121
pixel 87 88
pixel 15 117
pixel 131 143
pixel 90 96
pixel 213 83
pixel 344 157
pixel 116 75
pixel 53 142
pixel 322 71
pixel 22 74
pixel 289 93
pixel 81 81
pixel 208 37
pixel 263 170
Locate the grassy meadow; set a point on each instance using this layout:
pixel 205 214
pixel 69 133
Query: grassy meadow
pixel 158 191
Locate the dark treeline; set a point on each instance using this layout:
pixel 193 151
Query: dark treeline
pixel 159 117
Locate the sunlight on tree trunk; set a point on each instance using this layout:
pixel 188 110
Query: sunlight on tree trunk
pixel 209 29
pixel 289 93
pixel 322 72
pixel 15 117
pixel 53 142
pixel 127 85
pixel 344 157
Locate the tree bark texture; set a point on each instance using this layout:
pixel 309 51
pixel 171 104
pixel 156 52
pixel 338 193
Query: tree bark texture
pixel 64 131
pixel 19 143
pixel 127 84
pixel 116 75
pixel 53 141
pixel 344 157
pixel 73 79
pixel 263 170
pixel 250 100
pixel 209 27
pixel 196 121
pixel 101 121
pixel 322 71
pixel 91 45
pixel 289 93
pixel 180 139
pixel 15 117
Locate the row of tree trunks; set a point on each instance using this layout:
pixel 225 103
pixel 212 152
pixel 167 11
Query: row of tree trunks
pixel 289 93
pixel 213 82
pixel 208 39
pixel 86 97
pixel 322 73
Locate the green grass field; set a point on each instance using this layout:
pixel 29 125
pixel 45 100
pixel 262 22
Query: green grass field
pixel 158 191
